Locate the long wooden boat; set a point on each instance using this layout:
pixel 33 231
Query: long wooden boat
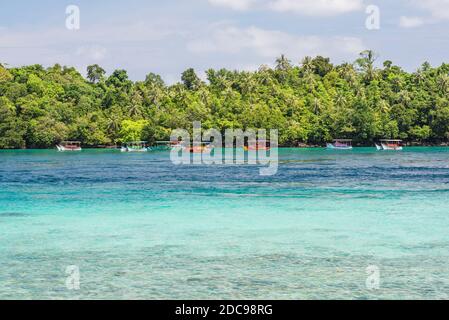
pixel 135 146
pixel 394 145
pixel 69 146
pixel 340 144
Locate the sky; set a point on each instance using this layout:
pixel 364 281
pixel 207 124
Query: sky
pixel 167 37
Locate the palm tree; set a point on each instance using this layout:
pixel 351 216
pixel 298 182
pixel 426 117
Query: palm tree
pixel 443 83
pixel 223 82
pixel 135 109
pixel 113 123
pixel 248 85
pixel 307 64
pixel 155 96
pixel 283 64
pixel 309 80
pixel 317 105
pixel 366 63
pixel 420 76
pixel 263 75
pixel 204 96
pixel 340 100
pixel 348 73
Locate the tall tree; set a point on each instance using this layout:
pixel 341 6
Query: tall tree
pixel 5 75
pixel 283 64
pixel 190 79
pixel 366 63
pixel 95 73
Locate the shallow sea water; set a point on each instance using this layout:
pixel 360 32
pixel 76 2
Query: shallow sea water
pixel 138 226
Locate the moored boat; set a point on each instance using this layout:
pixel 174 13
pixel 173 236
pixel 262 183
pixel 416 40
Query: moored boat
pixel 386 144
pixel 204 147
pixel 340 144
pixel 135 146
pixel 260 145
pixel 162 145
pixel 176 145
pixel 69 146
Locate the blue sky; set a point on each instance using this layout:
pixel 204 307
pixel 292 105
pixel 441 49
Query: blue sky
pixel 167 37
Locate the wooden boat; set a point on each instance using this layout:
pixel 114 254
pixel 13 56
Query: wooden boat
pixel 162 145
pixel 177 145
pixel 340 144
pixel 204 147
pixel 395 145
pixel 135 146
pixel 69 146
pixel 260 145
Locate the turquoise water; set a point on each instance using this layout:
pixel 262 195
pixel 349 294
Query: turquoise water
pixel 139 227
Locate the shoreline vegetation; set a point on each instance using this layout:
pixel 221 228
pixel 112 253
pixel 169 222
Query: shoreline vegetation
pixel 299 146
pixel 310 103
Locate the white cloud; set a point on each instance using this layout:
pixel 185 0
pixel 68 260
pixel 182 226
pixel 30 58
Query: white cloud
pixel 305 7
pixel 138 47
pixel 270 43
pixel 317 7
pixel 93 35
pixel 239 5
pixel 411 22
pixel 438 10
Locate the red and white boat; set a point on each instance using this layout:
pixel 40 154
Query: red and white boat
pixel 69 146
pixel 395 145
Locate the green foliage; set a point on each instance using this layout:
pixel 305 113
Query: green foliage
pixel 45 131
pixel 190 79
pixel 4 74
pixel 322 66
pixel 11 129
pixel 95 73
pixel 308 103
pixel 132 130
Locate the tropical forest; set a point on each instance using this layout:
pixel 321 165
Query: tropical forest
pixel 310 102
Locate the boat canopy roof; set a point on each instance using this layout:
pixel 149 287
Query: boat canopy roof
pixel 70 142
pixel 390 140
pixel 169 142
pixel 342 140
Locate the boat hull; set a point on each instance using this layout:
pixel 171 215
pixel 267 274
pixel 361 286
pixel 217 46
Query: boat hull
pixel 125 149
pixel 334 147
pixel 256 148
pixel 384 147
pixel 64 149
pixel 197 149
pixel 177 147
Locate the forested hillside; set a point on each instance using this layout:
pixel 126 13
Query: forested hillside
pixel 311 101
